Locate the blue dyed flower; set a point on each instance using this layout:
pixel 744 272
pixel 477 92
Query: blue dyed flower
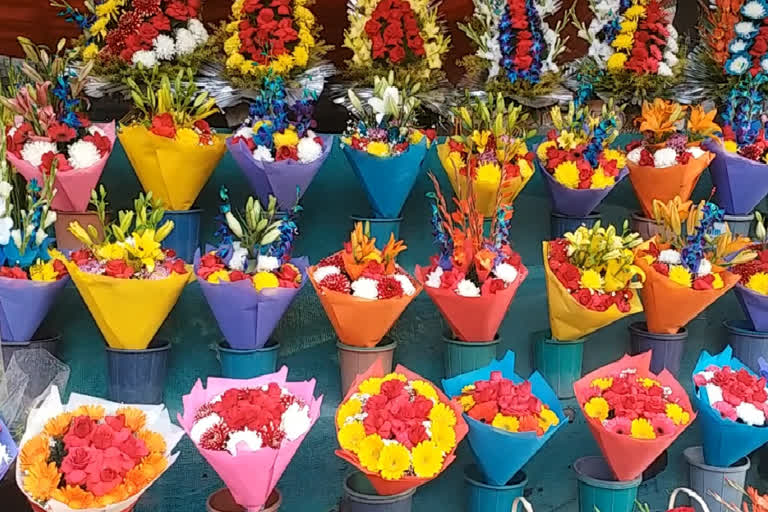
pixel 738 64
pixel 746 29
pixel 754 9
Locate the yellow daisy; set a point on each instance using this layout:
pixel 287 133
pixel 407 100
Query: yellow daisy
pixel 394 461
pixel 427 459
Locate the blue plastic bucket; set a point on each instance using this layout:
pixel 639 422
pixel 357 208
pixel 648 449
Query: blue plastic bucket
pixel 247 364
pixel 482 497
pixel 703 479
pixel 599 489
pixel 381 229
pixel 667 348
pixel 748 345
pixel 185 237
pixel 360 496
pixel 137 376
pixel 559 362
pixel 465 356
pixel 561 224
pixel 740 224
pixel 50 343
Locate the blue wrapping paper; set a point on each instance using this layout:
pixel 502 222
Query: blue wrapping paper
pixel 740 183
pixel 10 447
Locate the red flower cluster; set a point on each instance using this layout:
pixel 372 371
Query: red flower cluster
pixel 163 125
pixel 556 156
pixel 650 40
pixel 19 273
pixel 394 31
pixel 397 414
pixel 747 270
pixel 738 387
pixel 755 151
pixel 759 49
pixel 629 398
pixel 268 31
pixel 121 269
pixel 521 28
pixel 511 170
pixel 287 274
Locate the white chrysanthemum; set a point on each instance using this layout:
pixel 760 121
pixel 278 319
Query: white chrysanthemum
pixel 202 426
pixel 365 288
pixel 745 29
pixel 433 278
pixel 93 129
pixel 665 157
pixel 323 272
pixel 664 70
pixel 750 414
pixel 165 47
pixel 714 393
pixel 705 268
pixel 198 30
pixel 83 154
pixel 671 59
pixel 6 225
pixel 308 150
pixel 245 132
pixel 754 10
pixel 738 65
pixel 506 272
pixel 672 45
pixel 5 189
pixel 185 41
pixel 296 421
pixel 252 441
pixel 467 288
pixel 672 31
pixel 406 284
pixel 738 46
pixel 267 263
pixel 670 257
pixel 239 258
pixel 146 58
pixel 263 154
pixel 696 151
pixel 34 150
pixel 634 155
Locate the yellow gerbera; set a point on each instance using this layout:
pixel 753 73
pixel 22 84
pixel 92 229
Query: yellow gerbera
pixel 680 275
pixel 618 156
pixel 369 452
pixel 394 460
pixel 567 174
pixel 350 436
pixel 443 415
pixel 508 423
pixel 262 280
pixel 597 407
pixel 488 173
pixel 371 386
pixel 425 389
pixel 601 180
pixel 591 280
pixel 288 138
pixel 427 459
pixel 623 42
pixel 394 376
pixel 377 148
pixel 642 429
pixel 548 418
pixel 348 409
pixel 218 277
pixel 467 402
pixel 757 283
pixel 603 383
pixel 444 436
pixel 648 383
pixel 677 414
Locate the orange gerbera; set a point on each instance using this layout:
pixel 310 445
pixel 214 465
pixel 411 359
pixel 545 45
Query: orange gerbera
pixel 116 495
pixel 153 464
pixel 135 480
pixel 41 480
pixel 154 441
pixel 58 425
pixel 703 123
pixel 74 497
pixel 95 412
pixel 135 419
pixel 34 451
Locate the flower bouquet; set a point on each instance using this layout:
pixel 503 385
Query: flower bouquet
pixel 8 450
pixel 590 280
pixel 490 154
pixel 276 148
pixel 128 281
pixel 251 280
pixel 579 168
pixel 509 418
pixel 381 140
pixel 362 289
pixel 398 429
pixel 474 278
pixel 670 160
pixel 633 414
pixel 50 123
pixel 732 406
pixel 249 430
pixel 169 143
pixel 93 454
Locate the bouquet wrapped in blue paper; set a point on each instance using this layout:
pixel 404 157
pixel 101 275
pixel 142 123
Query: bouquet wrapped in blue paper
pixel 509 418
pixel 8 449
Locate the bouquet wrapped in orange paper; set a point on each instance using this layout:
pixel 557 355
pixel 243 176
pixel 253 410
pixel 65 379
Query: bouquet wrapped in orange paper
pixel 362 289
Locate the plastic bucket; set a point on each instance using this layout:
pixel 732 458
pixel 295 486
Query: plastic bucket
pixel 381 228
pixel 464 356
pixel 748 345
pixel 247 364
pixel 137 376
pixel 355 360
pixel 643 225
pixel 667 348
pixel 185 237
pixel 561 224
pixel 599 489
pixel 47 343
pixel 360 496
pixel 482 497
pixel 559 362
pixel 222 501
pixel 66 241
pixel 705 478
pixel 740 224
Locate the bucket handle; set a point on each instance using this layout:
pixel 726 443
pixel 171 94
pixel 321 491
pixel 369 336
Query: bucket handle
pixel 527 504
pixel 692 494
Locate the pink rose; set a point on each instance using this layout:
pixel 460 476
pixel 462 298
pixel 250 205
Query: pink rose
pixel 102 437
pixel 79 433
pixel 74 465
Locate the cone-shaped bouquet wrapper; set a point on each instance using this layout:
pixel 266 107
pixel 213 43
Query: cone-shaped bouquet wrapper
pixel 568 319
pixel 360 322
pixel 173 172
pixel 670 306
pixel 250 475
pixel 128 311
pixel 755 306
pixel 485 191
pixel 24 304
pixel 629 457
pixel 245 316
pixel 391 487
pixel 286 180
pixel 666 183
pixel 501 454
pixel 11 450
pixel 740 183
pixel 472 318
pixel 387 180
pixel 73 188
pixel 725 441
pixel 575 202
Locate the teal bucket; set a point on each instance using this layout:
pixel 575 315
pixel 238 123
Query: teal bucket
pixel 482 497
pixel 185 236
pixel 465 356
pixel 247 364
pixel 559 362
pixel 381 229
pixel 599 489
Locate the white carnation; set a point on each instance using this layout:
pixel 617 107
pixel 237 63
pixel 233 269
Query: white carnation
pixel 83 154
pixel 296 421
pixel 705 268
pixel 198 30
pixel 267 263
pixel 696 151
pixel 714 393
pixel 634 155
pixel 146 58
pixel 754 9
pixel 671 59
pixel 750 414
pixel 664 70
pixel 406 284
pixel 433 278
pixel 309 150
pixel 670 257
pixel 672 31
pixel 738 46
pixel 672 44
pixel 745 29
pixel 467 288
pixel 245 132
pixel 664 157
pixel 505 272
pixel 34 150
pixel 202 426
pixel 165 47
pixel 185 41
pixel 239 257
pixel 323 272
pixel 251 439
pixel 263 154
pixel 365 288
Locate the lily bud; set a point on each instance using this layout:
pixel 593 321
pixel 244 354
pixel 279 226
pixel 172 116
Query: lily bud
pixel 234 225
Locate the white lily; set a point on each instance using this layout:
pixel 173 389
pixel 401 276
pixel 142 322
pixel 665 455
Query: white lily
pixel 388 103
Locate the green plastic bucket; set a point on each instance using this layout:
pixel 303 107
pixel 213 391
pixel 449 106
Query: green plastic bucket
pixel 559 362
pixel 483 497
pixel 247 364
pixel 599 489
pixel 465 356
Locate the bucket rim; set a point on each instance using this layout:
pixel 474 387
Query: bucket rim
pixel 229 350
pixel 594 214
pixel 163 348
pixel 597 482
pixel 741 327
pixel 448 338
pixel 739 218
pixel 694 455
pixel 192 210
pixel 547 338
pixel 274 506
pixel 378 348
pixel 477 483
pixel 641 328
pixel 48 337
pixel 376 220
pixel 349 491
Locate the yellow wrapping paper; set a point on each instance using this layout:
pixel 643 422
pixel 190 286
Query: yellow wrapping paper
pixel 485 191
pixel 173 172
pixel 568 319
pixel 128 311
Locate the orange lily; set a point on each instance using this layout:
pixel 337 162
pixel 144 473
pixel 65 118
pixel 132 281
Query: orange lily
pixel 703 123
pixel 390 252
pixel 660 116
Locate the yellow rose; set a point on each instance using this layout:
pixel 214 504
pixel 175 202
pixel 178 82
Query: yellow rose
pixel 289 138
pixel 187 136
pixel 378 148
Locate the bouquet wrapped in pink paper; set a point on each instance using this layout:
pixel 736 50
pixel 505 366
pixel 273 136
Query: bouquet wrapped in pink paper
pixel 249 430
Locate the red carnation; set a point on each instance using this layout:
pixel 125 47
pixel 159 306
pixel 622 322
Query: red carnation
pixel 161 22
pixel 60 268
pixel 46 162
pixel 102 143
pixel 148 32
pixel 389 288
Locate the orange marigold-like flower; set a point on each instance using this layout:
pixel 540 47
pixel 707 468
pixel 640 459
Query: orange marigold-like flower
pixel 154 441
pixel 135 480
pixel 74 497
pixel 41 480
pixel 95 412
pixel 35 450
pixel 58 425
pixel 153 464
pixel 116 495
pixel 135 419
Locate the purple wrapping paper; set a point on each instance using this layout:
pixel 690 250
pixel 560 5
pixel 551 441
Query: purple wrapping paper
pixel 755 306
pixel 575 202
pixel 24 304
pixel 246 317
pixel 740 183
pixel 279 179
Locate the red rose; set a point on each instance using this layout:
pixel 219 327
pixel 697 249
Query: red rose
pixel 164 126
pixel 119 269
pixel 161 22
pixel 75 463
pixel 79 433
pixel 46 163
pixel 176 266
pixel 102 436
pixel 134 448
pixel 60 132
pixel 148 32
pixel 178 11
pixel 491 286
pixel 582 296
pixel 104 481
pixel 202 126
pixel 81 256
pixel 288 273
pixel 287 153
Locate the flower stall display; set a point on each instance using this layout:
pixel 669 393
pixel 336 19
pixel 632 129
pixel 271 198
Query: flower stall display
pixel 489 156
pixel 509 418
pixel 752 288
pixel 669 160
pixel 633 53
pixel 362 288
pixel 516 50
pixel 633 414
pixel 250 427
pixel 169 143
pixel 276 147
pixel 398 429
pixel 251 279
pixel 8 450
pixel 50 122
pixel 576 160
pixel 93 454
pixel 731 403
pixel 591 280
pixel 474 278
